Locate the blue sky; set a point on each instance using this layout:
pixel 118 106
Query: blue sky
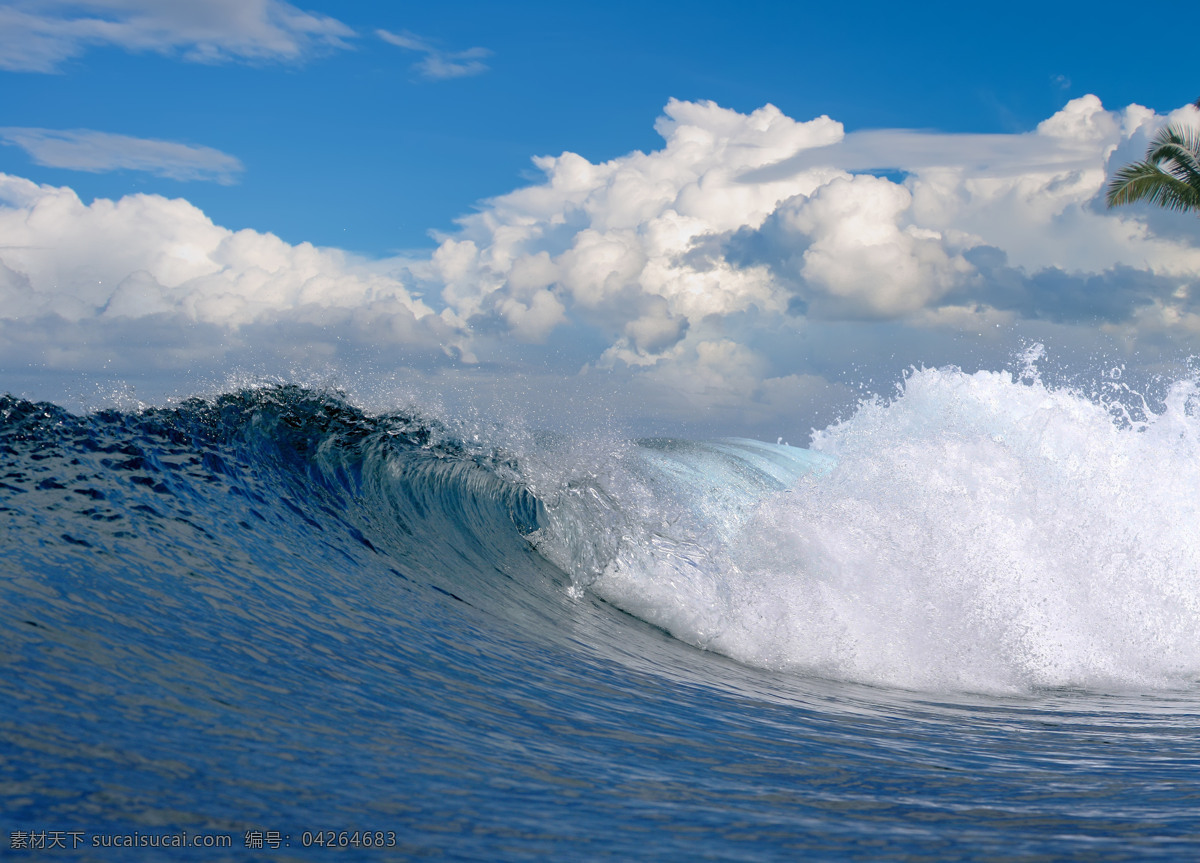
pixel 357 147
pixel 765 199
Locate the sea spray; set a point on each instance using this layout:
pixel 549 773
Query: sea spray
pixel 977 532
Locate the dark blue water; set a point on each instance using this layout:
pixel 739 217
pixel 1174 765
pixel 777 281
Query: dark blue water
pixel 270 615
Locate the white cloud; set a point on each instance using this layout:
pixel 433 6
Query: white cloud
pixel 1049 214
pixel 39 35
pixel 146 255
pixel 438 65
pixel 760 212
pixel 862 258
pixel 744 230
pixel 88 150
pixel 609 240
pixel 733 272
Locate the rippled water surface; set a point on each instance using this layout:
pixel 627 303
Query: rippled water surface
pixel 271 612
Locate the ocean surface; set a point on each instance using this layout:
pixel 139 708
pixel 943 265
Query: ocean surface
pixel 963 624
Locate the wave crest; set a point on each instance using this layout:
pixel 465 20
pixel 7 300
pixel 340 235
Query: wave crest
pixel 978 532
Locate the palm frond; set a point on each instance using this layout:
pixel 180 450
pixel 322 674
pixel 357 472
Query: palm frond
pixel 1174 133
pixel 1144 181
pixel 1181 146
pixel 1168 177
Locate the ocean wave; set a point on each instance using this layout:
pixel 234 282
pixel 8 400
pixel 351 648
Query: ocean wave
pixel 977 532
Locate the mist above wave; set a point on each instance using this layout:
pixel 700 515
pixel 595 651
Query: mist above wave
pixel 982 532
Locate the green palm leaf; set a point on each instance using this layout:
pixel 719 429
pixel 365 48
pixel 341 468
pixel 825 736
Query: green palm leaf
pixel 1180 146
pixel 1169 177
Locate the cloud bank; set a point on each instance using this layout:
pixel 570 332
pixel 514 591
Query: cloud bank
pixel 149 257
pixel 759 211
pixel 40 35
pixel 726 274
pixel 746 233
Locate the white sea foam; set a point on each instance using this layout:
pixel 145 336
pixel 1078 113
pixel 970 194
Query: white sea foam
pixel 981 532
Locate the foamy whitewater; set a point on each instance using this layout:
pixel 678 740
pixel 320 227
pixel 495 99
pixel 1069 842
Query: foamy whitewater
pixel 974 533
pixel 963 623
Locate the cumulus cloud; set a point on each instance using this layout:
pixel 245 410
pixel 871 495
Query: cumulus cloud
pixel 760 212
pixel 88 150
pixel 608 241
pixel 97 266
pixel 734 270
pixel 438 65
pixel 862 256
pixel 745 230
pixel 40 35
